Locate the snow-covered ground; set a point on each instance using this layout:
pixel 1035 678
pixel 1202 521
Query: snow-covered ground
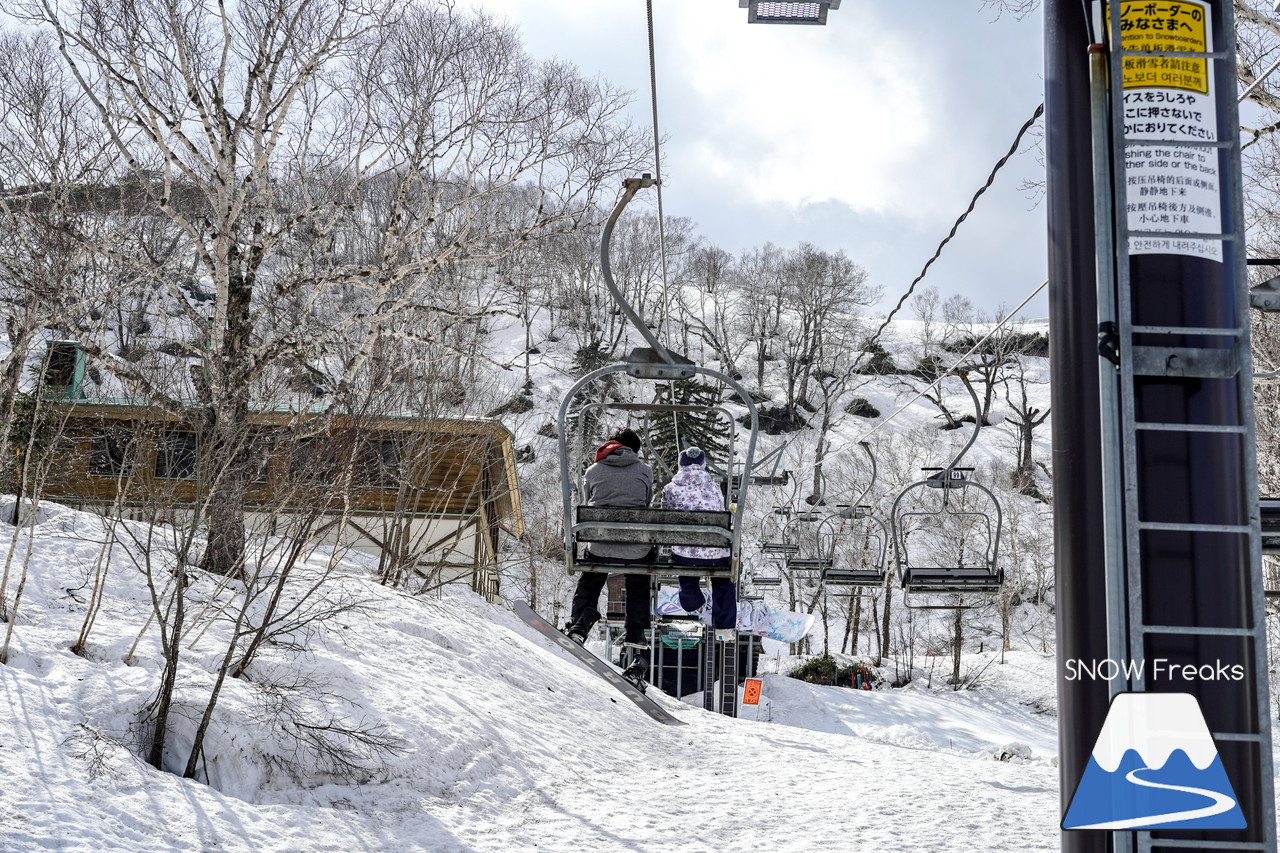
pixel 497 740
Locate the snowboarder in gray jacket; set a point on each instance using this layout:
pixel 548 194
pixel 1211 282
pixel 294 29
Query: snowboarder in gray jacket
pixel 618 478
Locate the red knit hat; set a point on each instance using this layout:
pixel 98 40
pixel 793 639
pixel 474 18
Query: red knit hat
pixel 607 448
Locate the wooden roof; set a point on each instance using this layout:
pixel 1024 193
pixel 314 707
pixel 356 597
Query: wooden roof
pixel 454 467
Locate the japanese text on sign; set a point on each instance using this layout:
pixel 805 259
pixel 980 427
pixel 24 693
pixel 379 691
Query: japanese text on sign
pixel 1171 25
pixel 751 691
pixel 1170 99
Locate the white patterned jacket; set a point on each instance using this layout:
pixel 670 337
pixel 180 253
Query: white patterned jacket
pixel 693 488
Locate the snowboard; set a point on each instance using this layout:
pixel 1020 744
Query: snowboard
pixel 595 664
pixel 754 617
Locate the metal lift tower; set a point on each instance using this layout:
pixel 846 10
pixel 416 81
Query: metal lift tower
pixel 1156 498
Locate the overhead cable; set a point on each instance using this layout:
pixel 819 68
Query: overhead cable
pixel 1013 149
pixel 959 361
pixel 1256 83
pixel 657 143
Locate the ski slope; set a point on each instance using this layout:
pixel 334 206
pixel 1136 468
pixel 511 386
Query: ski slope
pixel 502 743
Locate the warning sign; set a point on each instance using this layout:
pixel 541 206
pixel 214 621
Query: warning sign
pixel 1170 188
pixel 751 692
pixel 1180 25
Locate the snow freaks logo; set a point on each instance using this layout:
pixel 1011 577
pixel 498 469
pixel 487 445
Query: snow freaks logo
pixel 1154 767
pixel 1157 668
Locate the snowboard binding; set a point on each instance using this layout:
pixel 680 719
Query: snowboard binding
pixel 636 668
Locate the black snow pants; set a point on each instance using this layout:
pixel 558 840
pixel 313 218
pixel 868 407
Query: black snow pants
pixel 584 613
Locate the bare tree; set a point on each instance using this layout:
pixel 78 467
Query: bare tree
pixel 49 154
pixel 932 365
pixel 1023 417
pixel 822 291
pixel 714 316
pixel 988 352
pixel 758 280
pixel 318 153
pixel 1018 8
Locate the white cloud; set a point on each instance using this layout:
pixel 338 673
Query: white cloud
pixel 869 134
pixel 797 114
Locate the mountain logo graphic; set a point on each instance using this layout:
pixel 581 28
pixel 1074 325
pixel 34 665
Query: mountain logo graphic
pixel 1154 766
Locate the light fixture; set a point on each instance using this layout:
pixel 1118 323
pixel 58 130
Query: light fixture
pixel 799 12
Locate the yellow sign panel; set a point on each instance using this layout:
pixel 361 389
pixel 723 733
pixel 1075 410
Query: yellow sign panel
pixel 1165 25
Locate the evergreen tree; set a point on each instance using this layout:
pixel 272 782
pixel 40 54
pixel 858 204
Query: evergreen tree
pixel 668 433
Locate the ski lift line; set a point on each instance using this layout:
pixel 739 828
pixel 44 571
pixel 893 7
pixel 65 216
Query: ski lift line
pixel 1256 83
pixel 958 361
pixel 1013 149
pixel 657 143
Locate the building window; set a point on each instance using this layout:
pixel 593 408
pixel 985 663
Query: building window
pixel 377 463
pixel 313 461
pixel 176 455
pixel 61 369
pixel 112 453
pixel 262 448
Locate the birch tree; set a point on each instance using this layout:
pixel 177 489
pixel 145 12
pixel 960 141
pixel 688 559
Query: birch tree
pixel 48 155
pixel 307 154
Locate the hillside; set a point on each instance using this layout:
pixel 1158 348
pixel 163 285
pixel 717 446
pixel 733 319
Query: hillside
pixel 905 435
pixel 493 741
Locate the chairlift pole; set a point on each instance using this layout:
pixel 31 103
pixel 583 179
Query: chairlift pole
pixel 1151 357
pixel 1080 579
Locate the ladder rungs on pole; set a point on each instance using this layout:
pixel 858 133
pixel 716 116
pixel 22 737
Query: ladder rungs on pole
pixel 1196 630
pixel 1184 362
pixel 1203 845
pixel 1249 737
pixel 1191 428
pixel 1186 330
pixel 1194 528
pixel 1162 369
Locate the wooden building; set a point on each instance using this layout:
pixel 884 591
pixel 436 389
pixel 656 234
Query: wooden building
pixel 428 497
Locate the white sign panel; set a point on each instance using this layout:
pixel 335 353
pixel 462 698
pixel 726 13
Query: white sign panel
pixel 1169 99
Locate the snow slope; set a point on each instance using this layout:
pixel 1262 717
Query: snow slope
pixel 501 743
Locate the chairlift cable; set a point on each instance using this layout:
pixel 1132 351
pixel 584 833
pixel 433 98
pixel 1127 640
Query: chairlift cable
pixel 958 361
pixel 1258 82
pixel 657 144
pixel 1013 149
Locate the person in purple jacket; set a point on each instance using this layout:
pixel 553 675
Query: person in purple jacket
pixel 693 488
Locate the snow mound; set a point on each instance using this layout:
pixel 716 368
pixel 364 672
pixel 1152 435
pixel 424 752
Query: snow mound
pixel 416 723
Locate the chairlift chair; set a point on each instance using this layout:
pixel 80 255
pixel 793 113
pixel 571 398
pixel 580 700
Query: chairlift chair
pixel 859 524
pixel 813 559
pixel 918 576
pixel 774 532
pixel 753 579
pixel 644 525
pixel 868 568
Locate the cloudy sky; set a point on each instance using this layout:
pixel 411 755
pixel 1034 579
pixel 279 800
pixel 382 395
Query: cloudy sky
pixel 869 134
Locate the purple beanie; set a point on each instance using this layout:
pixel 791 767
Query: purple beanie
pixel 692 456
